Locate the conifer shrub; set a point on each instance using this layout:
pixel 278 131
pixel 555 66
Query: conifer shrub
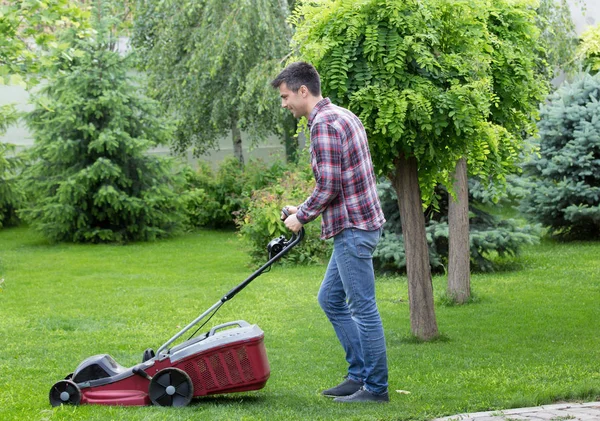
pixel 565 175
pixel 492 239
pixel 92 178
pixel 11 194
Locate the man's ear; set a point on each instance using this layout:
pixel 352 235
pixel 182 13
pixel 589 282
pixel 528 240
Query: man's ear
pixel 303 91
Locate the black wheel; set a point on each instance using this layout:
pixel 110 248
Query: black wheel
pixel 65 392
pixel 171 387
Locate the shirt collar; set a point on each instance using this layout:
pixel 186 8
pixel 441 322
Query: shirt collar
pixel 318 106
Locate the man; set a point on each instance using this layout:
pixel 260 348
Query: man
pixel 345 194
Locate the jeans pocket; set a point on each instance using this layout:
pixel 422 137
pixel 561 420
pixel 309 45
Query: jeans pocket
pixel 365 242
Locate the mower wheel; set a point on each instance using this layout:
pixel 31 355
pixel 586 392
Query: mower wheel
pixel 171 387
pixel 65 392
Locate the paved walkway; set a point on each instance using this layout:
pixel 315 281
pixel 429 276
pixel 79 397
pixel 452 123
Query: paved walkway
pixel 558 412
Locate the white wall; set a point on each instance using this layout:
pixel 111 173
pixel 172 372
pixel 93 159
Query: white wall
pixel 590 15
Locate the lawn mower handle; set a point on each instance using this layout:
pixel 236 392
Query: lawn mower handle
pixel 293 241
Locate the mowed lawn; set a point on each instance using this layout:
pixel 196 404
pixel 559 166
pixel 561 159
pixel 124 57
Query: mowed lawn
pixel 531 337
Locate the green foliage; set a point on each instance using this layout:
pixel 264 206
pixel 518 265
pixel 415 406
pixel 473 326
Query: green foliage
pixel 209 63
pixel 91 177
pixel 11 195
pixel 26 25
pixel 492 239
pixel 215 200
pixel 260 221
pixel 437 80
pixel 589 49
pixel 557 37
pixel 565 175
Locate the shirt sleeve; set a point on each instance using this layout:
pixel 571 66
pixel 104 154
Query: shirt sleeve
pixel 327 153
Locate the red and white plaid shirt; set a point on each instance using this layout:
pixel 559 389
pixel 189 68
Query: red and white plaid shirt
pixel 345 192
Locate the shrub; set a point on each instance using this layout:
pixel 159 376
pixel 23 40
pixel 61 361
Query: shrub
pixel 11 195
pixel 489 235
pixel 214 200
pixel 589 49
pixel 260 221
pixel 91 178
pixel 565 175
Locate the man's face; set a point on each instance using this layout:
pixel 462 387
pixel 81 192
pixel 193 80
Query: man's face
pixel 296 102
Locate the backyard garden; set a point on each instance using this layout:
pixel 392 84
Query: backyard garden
pixel 107 248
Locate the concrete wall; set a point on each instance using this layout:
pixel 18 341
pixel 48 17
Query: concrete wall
pixel 19 135
pixel 585 13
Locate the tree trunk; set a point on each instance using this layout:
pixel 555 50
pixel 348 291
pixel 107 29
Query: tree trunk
pixel 236 136
pixel 420 289
pixel 459 264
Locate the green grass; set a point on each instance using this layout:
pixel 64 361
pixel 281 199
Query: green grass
pixel 529 338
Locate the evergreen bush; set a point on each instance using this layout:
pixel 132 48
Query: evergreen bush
pixel 92 178
pixel 565 174
pixel 490 236
pixel 11 195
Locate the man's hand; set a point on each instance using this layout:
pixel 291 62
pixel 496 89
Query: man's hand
pixel 290 209
pixel 293 224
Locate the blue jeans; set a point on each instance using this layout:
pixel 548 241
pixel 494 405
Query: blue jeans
pixel 347 295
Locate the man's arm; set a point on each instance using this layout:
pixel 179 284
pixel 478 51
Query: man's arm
pixel 327 148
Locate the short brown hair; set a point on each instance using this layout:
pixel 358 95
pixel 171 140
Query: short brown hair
pixel 297 74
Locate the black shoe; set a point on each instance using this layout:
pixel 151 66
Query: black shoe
pixel 345 388
pixel 363 395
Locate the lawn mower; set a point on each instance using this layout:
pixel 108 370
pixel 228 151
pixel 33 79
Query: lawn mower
pixel 230 357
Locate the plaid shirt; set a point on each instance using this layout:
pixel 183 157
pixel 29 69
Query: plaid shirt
pixel 345 192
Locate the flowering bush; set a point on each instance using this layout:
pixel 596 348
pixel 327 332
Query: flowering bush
pixel 260 222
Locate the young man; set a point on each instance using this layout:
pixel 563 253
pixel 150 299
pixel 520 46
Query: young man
pixel 345 194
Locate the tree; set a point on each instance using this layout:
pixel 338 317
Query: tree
pixel 519 78
pixel 11 195
pixel 28 25
pixel 558 39
pixel 209 62
pixel 589 49
pixel 26 28
pixel 564 193
pixel 492 239
pixel 420 76
pixel 91 178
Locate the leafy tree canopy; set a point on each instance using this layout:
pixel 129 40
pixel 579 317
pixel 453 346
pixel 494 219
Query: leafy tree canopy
pixel 557 36
pixel 26 26
pixel 589 49
pixel 436 80
pixel 210 62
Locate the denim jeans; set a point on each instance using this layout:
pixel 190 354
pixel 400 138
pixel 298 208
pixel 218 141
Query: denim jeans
pixel 347 296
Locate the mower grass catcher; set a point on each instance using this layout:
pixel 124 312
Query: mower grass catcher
pixel 230 357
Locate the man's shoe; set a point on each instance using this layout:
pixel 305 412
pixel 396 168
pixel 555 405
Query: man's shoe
pixel 363 395
pixel 345 388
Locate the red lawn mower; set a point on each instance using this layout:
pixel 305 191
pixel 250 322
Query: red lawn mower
pixel 230 357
